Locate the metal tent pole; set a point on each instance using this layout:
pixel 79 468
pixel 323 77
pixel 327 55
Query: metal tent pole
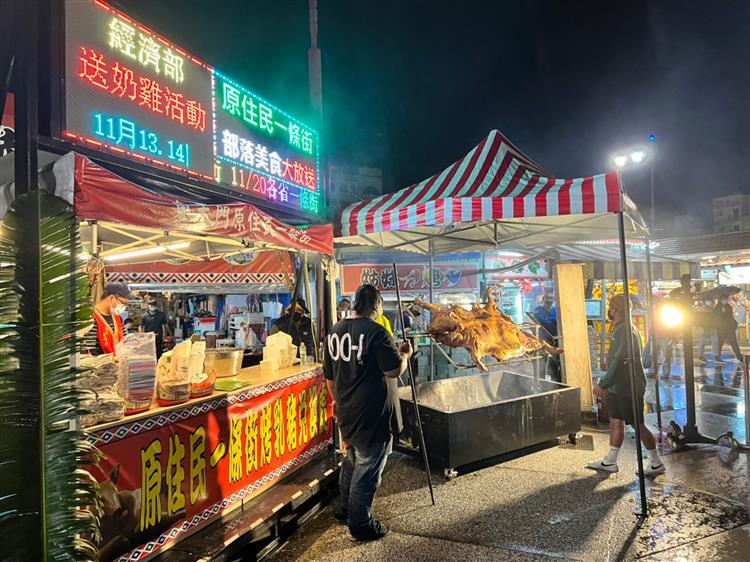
pixel 637 409
pixel 295 296
pixel 652 334
pixel 603 328
pixel 310 296
pixel 431 371
pixel 413 384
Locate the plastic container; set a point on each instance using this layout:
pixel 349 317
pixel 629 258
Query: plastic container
pixel 223 363
pixel 136 377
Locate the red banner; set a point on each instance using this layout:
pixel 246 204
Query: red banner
pixel 411 277
pixel 164 476
pixel 102 195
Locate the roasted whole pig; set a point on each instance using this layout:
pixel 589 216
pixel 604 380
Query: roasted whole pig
pixel 482 330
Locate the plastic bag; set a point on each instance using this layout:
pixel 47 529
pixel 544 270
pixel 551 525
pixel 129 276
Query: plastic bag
pixel 98 380
pixel 201 382
pixel 136 358
pixel 173 380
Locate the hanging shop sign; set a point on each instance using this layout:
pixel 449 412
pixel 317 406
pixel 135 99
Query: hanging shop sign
pixel 709 274
pixel 165 476
pixel 411 277
pixel 261 149
pixel 493 260
pixel 734 275
pixel 131 92
pixel 102 195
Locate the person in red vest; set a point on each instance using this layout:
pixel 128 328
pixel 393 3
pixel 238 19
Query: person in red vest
pixel 108 319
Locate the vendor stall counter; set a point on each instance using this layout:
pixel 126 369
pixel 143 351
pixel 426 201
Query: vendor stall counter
pixel 169 471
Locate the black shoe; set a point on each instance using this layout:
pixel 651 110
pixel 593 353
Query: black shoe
pixel 341 515
pixel 373 531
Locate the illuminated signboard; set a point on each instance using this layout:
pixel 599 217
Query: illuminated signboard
pixel 261 149
pixel 131 92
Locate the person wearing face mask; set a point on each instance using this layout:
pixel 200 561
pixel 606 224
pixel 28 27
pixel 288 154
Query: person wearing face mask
pixel 108 319
pixel 301 327
pixel 156 321
pixel 614 387
pixel 726 330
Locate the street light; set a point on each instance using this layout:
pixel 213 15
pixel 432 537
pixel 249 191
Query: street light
pixel 671 316
pixel 634 155
pixel 637 156
pixel 621 160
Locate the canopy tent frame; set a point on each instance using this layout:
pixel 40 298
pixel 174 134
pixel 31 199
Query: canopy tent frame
pixel 147 237
pixel 493 241
pixel 496 186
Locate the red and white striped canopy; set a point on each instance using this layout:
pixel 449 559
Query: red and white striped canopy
pixel 494 183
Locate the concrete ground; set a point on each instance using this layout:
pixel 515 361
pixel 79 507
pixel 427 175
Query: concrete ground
pixel 546 505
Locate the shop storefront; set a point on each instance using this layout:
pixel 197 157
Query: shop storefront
pixel 173 176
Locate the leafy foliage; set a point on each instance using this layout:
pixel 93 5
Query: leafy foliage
pixel 48 504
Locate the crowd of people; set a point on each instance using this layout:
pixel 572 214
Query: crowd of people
pixel 713 322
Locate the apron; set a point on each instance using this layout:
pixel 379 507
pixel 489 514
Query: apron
pixel 107 338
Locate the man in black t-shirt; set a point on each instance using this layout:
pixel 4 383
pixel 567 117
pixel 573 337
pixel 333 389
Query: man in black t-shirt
pixel 156 321
pixel 360 359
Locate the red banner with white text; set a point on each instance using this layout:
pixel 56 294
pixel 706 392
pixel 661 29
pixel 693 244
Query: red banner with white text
pixel 164 476
pixel 102 195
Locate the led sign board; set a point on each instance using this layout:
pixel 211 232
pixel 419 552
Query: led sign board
pixel 131 92
pixel 262 149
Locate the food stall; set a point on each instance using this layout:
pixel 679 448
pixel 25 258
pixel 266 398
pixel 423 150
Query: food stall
pixel 496 198
pixel 169 470
pixel 149 154
pixel 249 287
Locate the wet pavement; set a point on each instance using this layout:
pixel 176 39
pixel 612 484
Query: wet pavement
pixel 719 397
pixel 546 505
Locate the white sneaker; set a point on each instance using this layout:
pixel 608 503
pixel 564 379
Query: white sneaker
pixel 603 466
pixel 651 470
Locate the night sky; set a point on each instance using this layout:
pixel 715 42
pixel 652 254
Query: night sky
pixel 411 86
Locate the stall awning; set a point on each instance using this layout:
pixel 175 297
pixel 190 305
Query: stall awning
pixel 103 195
pixel 267 272
pixel 493 196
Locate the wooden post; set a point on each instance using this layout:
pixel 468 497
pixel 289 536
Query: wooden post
pixel 571 319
